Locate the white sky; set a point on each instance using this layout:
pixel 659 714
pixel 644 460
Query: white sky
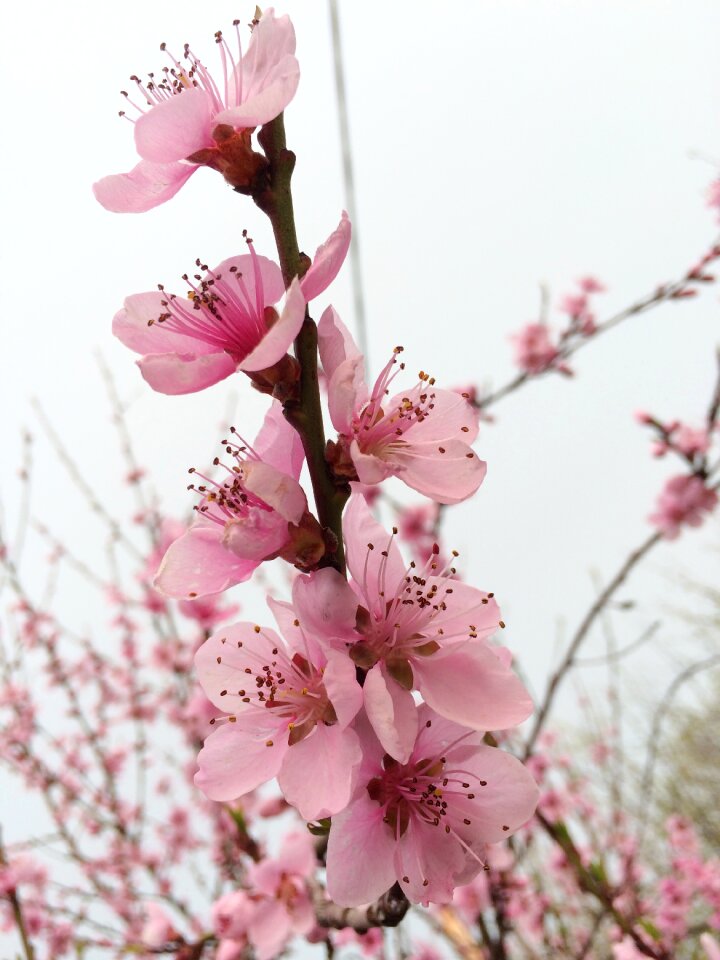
pixel 498 145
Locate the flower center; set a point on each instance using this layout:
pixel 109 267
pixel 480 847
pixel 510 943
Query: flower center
pixel 175 79
pixel 220 309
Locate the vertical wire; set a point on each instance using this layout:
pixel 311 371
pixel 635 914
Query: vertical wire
pixel 348 180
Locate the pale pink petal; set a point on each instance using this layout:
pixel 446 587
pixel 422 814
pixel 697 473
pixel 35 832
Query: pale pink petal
pixel 351 879
pixel 373 469
pixel 335 343
pixel 276 489
pixel 347 393
pixel 470 685
pixel 392 713
pixel 344 691
pixel 318 773
pixel 257 536
pixel 221 661
pixel 508 799
pixel 276 342
pixel 286 618
pixel 326 605
pixel 429 862
pixel 268 103
pixel 327 260
pixel 198 564
pixel 451 416
pixel 176 373
pixel 269 928
pixel 272 41
pixel 236 759
pixel 175 128
pixel 279 444
pixel 135 327
pixel 146 186
pixel 370 566
pixel 447 472
pixel 468 610
pixel 270 278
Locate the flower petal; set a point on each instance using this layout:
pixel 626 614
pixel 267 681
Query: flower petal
pixel 326 606
pixel 197 564
pixel 135 326
pixel 236 759
pixel 448 472
pixel 267 103
pixel 318 773
pixel 392 713
pixel 178 373
pixel 469 684
pixel 335 343
pixel 380 568
pixel 279 444
pixel 276 489
pixel 175 128
pixel 146 186
pixel 354 880
pixel 277 340
pixel 328 259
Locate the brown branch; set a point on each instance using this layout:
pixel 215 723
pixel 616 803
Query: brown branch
pixel 17 911
pixel 664 293
pixel 582 631
pixel 304 413
pixel 387 911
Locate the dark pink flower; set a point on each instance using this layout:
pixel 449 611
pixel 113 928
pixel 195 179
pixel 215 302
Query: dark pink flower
pixel 425 822
pixel 226 322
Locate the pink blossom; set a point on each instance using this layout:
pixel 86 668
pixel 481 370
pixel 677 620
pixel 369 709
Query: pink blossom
pixel 713 195
pixel 685 500
pixel 534 350
pixel 284 908
pixel 243 520
pixel 187 119
pixel 421 435
pixel 425 823
pixel 290 706
pixel 226 323
pixel 158 928
pixel 414 629
pixel 590 284
pixel 231 915
pixel 689 441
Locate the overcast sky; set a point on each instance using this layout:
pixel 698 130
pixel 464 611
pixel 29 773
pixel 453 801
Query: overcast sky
pixel 498 146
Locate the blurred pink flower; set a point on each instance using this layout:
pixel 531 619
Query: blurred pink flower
pixel 684 501
pixel 534 350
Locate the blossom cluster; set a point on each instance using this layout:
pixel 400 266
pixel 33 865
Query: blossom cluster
pixel 688 497
pixel 370 699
